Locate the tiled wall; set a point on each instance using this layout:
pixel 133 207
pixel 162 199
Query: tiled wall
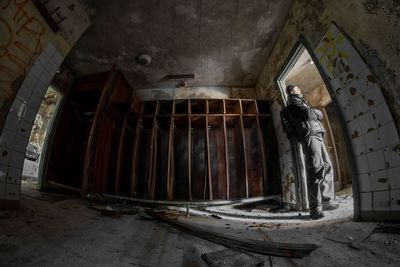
pixel 15 134
pixel 369 123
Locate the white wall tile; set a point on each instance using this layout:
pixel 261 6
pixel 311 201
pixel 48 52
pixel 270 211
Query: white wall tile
pixel 382 115
pixel 58 58
pixel 18 107
pixel 388 134
pixel 392 155
pixel 3 186
pixel 12 191
pixel 30 115
pixel 367 123
pixel 380 180
pixel 362 164
pixel 364 181
pixel 360 106
pixel 359 146
pixel 37 68
pixel 3 173
pixel 381 201
pixel 353 128
pixel 394 177
pixel 20 143
pixel 24 92
pixel 341 97
pixel 24 129
pixel 376 160
pixel 41 88
pixel 366 201
pixel 50 49
pixel 363 79
pixel 353 89
pixel 14 175
pixel 374 96
pixel 17 159
pixel 5 155
pixel 12 122
pixel 395 200
pixel 30 82
pixel 357 65
pixel 7 138
pixel 372 141
pixel 348 113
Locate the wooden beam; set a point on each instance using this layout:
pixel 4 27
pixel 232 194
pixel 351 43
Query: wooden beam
pixel 152 160
pixel 88 182
pixel 226 153
pixel 118 171
pixel 263 156
pixel 170 166
pixel 189 151
pixel 135 155
pixel 208 160
pixel 280 249
pixel 246 176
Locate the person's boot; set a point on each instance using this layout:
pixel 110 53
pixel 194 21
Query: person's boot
pixel 329 205
pixel 316 215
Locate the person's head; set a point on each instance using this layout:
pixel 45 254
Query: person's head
pixel 293 89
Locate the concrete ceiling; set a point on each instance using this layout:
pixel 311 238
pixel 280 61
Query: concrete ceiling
pixel 222 42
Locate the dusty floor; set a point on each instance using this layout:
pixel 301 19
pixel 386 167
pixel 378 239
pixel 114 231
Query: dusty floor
pixel 67 233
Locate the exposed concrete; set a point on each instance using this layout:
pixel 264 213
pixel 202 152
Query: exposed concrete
pixel 224 43
pixel 67 233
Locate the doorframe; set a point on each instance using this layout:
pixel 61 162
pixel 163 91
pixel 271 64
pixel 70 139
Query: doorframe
pixel 48 141
pixel 298 158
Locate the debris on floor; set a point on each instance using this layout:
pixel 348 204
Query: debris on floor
pixel 48 197
pixel 351 234
pixel 295 250
pixel 216 216
pixel 230 257
pixel 114 210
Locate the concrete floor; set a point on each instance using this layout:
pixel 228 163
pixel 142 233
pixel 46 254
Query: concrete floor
pixel 67 233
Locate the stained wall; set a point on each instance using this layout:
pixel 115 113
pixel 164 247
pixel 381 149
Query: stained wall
pixel 365 90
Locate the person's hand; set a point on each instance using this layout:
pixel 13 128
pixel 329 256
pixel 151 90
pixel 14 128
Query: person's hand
pixel 319 114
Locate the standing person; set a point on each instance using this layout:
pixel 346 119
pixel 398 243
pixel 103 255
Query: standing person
pixel 307 127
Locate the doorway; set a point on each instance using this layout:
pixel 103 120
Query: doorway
pixel 38 140
pixel 302 71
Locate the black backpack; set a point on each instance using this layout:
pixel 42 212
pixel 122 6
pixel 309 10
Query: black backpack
pixel 289 123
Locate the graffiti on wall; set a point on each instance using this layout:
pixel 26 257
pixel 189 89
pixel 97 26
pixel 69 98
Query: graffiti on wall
pixel 20 42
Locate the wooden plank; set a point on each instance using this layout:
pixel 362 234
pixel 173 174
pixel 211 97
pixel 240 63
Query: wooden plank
pixel 292 250
pixel 189 152
pixel 135 157
pixel 208 160
pixel 263 157
pixel 246 176
pixel 226 154
pixel 152 160
pixel 118 171
pixel 88 182
pixel 170 167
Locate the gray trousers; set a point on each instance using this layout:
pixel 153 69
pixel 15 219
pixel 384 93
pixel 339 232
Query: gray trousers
pixel 319 172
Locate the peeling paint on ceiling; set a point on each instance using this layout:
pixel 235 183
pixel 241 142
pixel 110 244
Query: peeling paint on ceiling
pixel 224 43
